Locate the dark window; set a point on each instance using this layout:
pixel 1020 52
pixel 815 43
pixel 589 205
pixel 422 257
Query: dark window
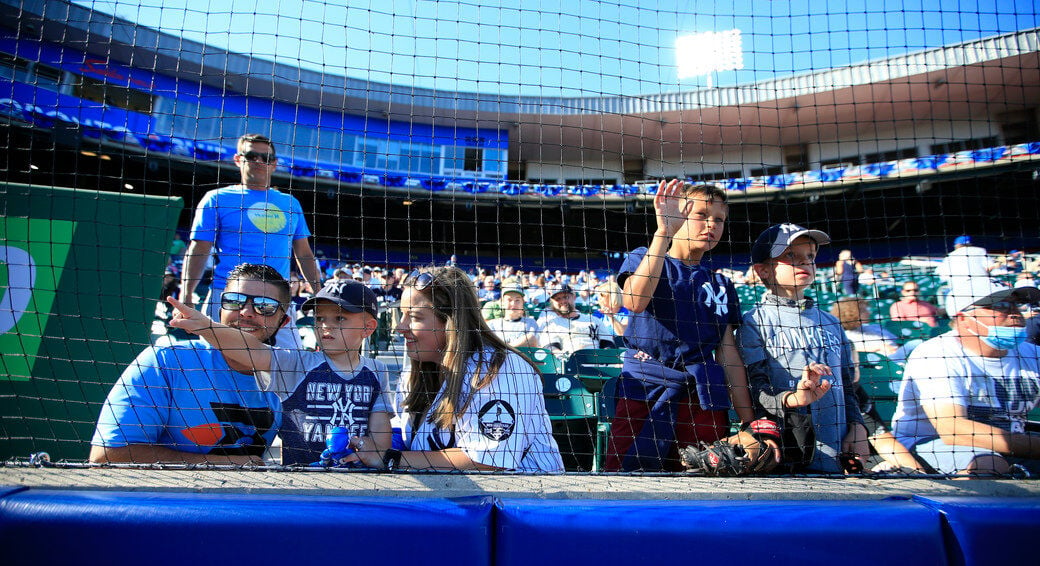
pixel 796 157
pixel 112 95
pixel 1019 126
pixel 893 155
pixel 840 162
pixel 768 171
pixel 961 145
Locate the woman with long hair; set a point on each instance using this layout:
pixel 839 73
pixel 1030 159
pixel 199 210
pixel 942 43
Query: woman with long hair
pixel 471 402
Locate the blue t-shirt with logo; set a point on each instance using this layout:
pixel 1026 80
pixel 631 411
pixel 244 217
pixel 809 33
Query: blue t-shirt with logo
pixel 185 397
pixel 249 226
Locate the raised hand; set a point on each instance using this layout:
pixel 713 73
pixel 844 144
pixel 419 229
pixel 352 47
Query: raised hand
pixel 810 387
pixel 670 206
pixel 187 318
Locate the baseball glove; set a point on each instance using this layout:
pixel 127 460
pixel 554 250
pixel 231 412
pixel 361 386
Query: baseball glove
pixel 743 453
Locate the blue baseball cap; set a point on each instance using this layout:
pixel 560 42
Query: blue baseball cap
pixel 347 294
pixel 964 240
pixel 775 239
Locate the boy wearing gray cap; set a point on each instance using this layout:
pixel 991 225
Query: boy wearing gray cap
pixel 966 394
pixel 335 386
pixel 800 363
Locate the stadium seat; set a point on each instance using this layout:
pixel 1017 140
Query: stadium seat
pixel 880 377
pixel 907 330
pixel 595 365
pixel 542 359
pixel 573 411
pixel 607 400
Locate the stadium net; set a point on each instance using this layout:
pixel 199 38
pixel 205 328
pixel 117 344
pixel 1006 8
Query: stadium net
pixel 531 148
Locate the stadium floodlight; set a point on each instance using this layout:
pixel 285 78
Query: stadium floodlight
pixel 708 52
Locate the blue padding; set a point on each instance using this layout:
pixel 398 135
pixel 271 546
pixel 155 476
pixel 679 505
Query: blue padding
pixel 717 532
pixel 79 527
pixel 989 530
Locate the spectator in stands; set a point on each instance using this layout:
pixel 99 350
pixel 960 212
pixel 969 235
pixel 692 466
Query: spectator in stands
pixel 514 327
pixel 335 386
pixel 565 330
pixel 177 248
pixel 854 316
pixel 473 403
pixel 682 370
pixel 965 262
pixel 610 304
pixel 911 307
pixel 188 403
pixel 488 290
pixel 847 271
pixel 786 340
pixel 965 395
pixel 535 291
pixel 249 223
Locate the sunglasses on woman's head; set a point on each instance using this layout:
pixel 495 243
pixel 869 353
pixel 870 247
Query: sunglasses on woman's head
pixel 263 306
pixel 419 279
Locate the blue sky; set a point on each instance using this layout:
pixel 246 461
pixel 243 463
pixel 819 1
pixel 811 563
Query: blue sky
pixel 569 47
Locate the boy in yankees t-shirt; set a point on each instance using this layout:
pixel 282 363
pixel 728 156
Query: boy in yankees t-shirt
pixel 682 370
pixel 789 347
pixel 335 386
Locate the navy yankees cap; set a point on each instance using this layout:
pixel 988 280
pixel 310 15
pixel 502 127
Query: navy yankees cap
pixel 555 289
pixel 775 239
pixel 347 294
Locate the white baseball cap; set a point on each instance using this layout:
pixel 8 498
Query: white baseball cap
pixel 983 292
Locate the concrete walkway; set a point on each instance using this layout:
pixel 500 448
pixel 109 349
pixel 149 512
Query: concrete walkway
pixel 352 483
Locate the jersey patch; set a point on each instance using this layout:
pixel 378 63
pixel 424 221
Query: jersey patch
pixel 497 420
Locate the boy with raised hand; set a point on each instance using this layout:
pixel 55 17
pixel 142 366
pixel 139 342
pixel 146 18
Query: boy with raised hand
pixel 799 361
pixel 681 370
pixel 335 386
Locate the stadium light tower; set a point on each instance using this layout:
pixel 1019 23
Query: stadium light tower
pixel 708 52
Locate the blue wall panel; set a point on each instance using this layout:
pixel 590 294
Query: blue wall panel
pixel 80 527
pixel 717 532
pixel 989 530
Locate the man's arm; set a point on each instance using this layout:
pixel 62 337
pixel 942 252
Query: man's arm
pixel 152 454
pixel 307 263
pixel 954 427
pixel 237 346
pixel 195 259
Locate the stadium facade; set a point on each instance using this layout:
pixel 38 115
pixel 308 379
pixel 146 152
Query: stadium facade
pixel 891 156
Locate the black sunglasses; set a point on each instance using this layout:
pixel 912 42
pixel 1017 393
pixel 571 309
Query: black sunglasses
pixel 419 279
pixel 257 157
pixel 263 306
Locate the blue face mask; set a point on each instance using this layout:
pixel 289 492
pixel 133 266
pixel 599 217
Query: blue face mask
pixel 1003 337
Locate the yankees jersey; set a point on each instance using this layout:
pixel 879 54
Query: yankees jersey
pixel 687 315
pixel 999 392
pixel 316 398
pixel 505 424
pixel 778 339
pixel 580 333
pixel 185 397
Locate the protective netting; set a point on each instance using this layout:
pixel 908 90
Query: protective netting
pixel 524 144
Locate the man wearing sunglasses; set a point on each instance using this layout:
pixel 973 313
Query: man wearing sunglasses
pixel 966 394
pixel 249 223
pixel 188 403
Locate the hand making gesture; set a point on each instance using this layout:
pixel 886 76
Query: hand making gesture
pixel 671 207
pixel 811 387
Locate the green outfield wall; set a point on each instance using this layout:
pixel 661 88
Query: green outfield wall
pixel 80 272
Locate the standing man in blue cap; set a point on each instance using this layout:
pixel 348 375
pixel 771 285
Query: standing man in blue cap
pixel 965 262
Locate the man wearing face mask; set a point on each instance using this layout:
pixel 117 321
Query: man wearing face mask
pixel 966 394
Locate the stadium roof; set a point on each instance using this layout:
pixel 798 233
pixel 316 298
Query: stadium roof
pixel 955 82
